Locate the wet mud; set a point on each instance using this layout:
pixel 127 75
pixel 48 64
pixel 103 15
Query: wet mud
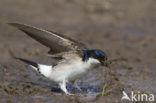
pixel 124 29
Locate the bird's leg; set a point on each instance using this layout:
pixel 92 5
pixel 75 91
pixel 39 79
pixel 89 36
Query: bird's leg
pixel 63 87
pixel 76 86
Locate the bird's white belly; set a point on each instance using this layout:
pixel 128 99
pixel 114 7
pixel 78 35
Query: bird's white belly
pixel 69 72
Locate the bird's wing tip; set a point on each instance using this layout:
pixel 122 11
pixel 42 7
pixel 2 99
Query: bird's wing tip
pixel 15 24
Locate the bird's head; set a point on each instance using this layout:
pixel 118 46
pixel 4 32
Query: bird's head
pixel 95 54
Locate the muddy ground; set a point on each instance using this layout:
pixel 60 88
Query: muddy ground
pixel 124 29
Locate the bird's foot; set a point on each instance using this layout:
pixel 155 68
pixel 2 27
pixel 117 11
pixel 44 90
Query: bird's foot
pixel 64 89
pixel 70 94
pixel 77 87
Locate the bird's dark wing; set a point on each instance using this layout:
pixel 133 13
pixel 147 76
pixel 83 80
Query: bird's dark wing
pixel 59 45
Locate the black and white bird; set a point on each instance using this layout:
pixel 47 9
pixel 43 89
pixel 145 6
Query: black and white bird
pixel 75 60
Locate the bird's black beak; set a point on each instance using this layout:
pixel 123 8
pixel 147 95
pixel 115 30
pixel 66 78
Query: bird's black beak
pixel 105 62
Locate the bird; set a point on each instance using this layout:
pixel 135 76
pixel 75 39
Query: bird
pixel 74 58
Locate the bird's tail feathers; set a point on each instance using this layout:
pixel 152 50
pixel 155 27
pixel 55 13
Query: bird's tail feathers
pixel 43 69
pixel 34 65
pixel 27 62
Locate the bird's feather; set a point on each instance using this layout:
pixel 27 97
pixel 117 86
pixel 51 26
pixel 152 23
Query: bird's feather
pixel 41 68
pixel 60 45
